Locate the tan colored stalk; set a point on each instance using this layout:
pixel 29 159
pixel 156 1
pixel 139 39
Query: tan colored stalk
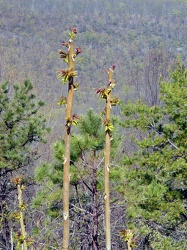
pixel 107 166
pixel 66 175
pixel 95 245
pixel 21 208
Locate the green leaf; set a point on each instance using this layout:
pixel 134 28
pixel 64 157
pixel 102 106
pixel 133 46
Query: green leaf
pixel 63 100
pixel 109 127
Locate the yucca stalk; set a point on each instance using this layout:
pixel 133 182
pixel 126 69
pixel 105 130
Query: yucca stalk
pixel 66 175
pixel 107 165
pixel 95 245
pixel 106 93
pixel 68 76
pixel 22 238
pixel 22 225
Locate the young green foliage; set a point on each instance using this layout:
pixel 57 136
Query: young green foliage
pixel 21 128
pixel 158 170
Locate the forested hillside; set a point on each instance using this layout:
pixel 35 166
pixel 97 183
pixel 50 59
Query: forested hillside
pixel 145 41
pixel 141 37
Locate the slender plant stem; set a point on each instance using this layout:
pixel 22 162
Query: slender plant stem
pixel 20 202
pixel 66 175
pixel 95 245
pixel 107 169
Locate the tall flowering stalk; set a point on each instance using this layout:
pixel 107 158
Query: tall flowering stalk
pixel 68 75
pixel 22 237
pixel 106 93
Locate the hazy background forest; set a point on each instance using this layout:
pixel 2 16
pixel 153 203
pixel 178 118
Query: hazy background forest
pixel 142 38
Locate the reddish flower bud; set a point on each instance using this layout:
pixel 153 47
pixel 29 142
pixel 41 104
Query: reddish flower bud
pixel 62 54
pixel 76 117
pixel 78 50
pixel 65 44
pixel 100 90
pixel 113 67
pixel 63 72
pixel 17 180
pixel 73 30
pixel 107 71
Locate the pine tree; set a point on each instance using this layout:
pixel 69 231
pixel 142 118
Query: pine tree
pixel 155 176
pixel 21 127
